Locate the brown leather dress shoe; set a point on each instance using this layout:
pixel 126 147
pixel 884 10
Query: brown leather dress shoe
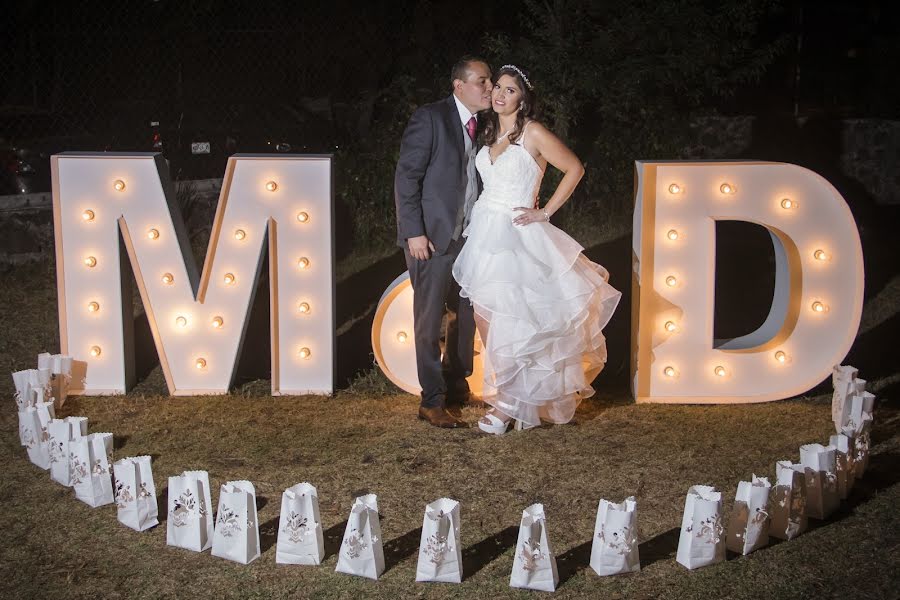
pixel 455 411
pixel 439 417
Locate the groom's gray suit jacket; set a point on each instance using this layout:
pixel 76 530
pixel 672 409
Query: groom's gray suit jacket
pixel 430 180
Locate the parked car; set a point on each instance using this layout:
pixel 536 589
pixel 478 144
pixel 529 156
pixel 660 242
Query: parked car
pixel 28 138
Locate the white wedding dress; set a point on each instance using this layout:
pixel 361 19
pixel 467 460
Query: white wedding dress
pixel 545 301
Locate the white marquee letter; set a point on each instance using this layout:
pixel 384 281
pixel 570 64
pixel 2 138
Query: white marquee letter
pixel 198 320
pixel 818 296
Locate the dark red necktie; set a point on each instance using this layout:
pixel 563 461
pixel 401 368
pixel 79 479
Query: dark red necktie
pixel 470 127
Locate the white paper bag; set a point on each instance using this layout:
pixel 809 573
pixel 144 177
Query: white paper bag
pixel 60 368
pixel 236 535
pixel 615 549
pixel 844 448
pixel 861 455
pixel 362 552
pixel 136 493
pixel 440 552
pixel 24 394
pixel 91 468
pixel 702 540
pixel 748 528
pixel 788 507
pixel 843 378
pixel 821 480
pixel 862 407
pixel 534 566
pixel 190 519
pixel 62 432
pixel 300 537
pixel 34 433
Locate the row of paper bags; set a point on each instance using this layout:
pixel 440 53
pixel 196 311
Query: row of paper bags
pixel 48 383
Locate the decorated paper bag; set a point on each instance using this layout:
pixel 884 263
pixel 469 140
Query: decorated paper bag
pixel 843 380
pixel 615 549
pixel 60 369
pixel 861 455
pixel 34 423
pixel 862 405
pixel 843 456
pixel 62 432
pixel 787 510
pixel 136 493
pixel 91 468
pixel 748 529
pixel 440 553
pixel 821 480
pixel 300 537
pixel 361 551
pixel 24 394
pixel 534 567
pixel 702 540
pixel 189 524
pixel 236 536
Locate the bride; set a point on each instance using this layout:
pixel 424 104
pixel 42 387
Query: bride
pixel 540 304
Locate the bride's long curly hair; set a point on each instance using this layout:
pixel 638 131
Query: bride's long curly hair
pixel 528 112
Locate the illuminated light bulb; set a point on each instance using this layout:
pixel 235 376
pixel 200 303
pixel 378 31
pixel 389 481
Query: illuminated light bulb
pixel 303 217
pixel 93 307
pixel 674 188
pixel 780 356
pixel 119 185
pixel 818 306
pixel 181 322
pixel 200 363
pixel 672 235
pixel 671 326
pixel 671 281
pixel 87 215
pixel 228 279
pixel 90 262
pixel 95 351
pixel 304 353
pixel 303 263
pixel 167 278
pixel 240 234
pixel 303 307
pixel 271 186
pixel 402 337
pixel 787 203
pixel 218 322
pixel 726 188
pixel 720 371
pixel 820 255
pixel 669 371
pixel 153 234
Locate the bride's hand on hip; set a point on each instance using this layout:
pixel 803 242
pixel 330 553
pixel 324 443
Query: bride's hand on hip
pixel 530 215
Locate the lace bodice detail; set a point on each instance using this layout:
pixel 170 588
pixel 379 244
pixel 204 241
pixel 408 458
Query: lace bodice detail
pixel 513 179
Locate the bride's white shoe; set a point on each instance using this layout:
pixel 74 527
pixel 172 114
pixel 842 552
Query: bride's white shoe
pixel 494 424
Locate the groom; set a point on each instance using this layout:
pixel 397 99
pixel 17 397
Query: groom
pixel 435 186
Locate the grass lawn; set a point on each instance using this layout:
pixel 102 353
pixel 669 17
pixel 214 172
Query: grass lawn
pixel 365 439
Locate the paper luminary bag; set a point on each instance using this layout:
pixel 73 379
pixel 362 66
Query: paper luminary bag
pixel 34 434
pixel 300 537
pixel 614 549
pixel 748 528
pixel 62 432
pixel 60 368
pixel 821 480
pixel 534 566
pixel 361 551
pixel 845 384
pixel 136 493
pixel 844 448
pixel 440 552
pixel 32 386
pixel 861 444
pixel 236 535
pixel 860 417
pixel 190 519
pixel 787 510
pixel 702 539
pixel 91 468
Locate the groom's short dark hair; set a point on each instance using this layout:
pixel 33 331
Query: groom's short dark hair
pixel 461 68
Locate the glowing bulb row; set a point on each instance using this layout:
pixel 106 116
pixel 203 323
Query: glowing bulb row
pixel 720 371
pixel 725 188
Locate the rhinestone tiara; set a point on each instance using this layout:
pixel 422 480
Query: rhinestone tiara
pixel 521 74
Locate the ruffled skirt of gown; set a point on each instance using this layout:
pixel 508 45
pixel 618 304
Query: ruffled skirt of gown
pixel 547 305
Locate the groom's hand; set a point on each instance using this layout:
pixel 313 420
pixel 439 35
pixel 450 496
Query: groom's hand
pixel 420 247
